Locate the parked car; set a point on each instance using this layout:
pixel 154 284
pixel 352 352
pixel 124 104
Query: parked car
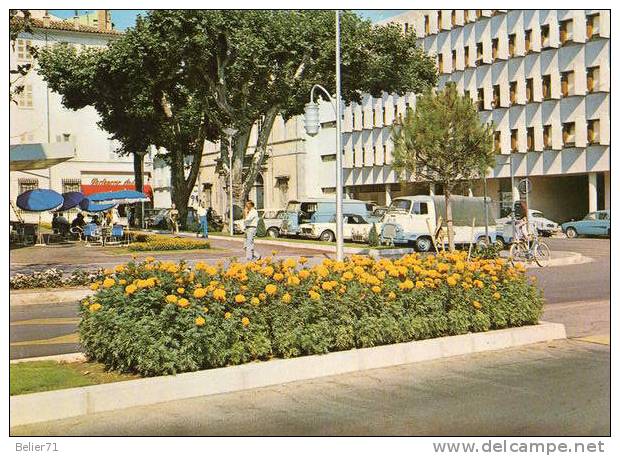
pixel 355 227
pixel 597 223
pixel 537 220
pixel 379 212
pixel 319 210
pixel 414 219
pixel 159 218
pixel 273 219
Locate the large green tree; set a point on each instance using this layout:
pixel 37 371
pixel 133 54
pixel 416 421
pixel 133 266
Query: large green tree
pixel 179 78
pixel 443 141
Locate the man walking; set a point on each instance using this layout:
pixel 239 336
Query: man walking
pixel 202 216
pixel 250 221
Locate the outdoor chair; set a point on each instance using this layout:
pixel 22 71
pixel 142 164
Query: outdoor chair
pixel 116 236
pixel 92 234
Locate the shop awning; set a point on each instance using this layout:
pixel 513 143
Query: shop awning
pixel 25 157
pixel 89 189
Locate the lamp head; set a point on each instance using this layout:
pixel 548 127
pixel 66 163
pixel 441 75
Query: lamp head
pixel 311 118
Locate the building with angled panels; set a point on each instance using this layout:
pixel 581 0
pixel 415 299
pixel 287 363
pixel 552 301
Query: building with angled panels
pixel 541 76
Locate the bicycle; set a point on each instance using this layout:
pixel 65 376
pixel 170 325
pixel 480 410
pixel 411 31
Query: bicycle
pixel 529 248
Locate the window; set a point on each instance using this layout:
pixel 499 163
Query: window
pixel 529 89
pixel 427 24
pixel 407 106
pixel 497 141
pixel 512 38
pixel 374 155
pixel 23 50
pixel 481 99
pixel 353 120
pixel 593 78
pixel 594 131
pixel 547 136
pixel 385 156
pixel 71 185
pixel 478 14
pixel 363 119
pixel 568 133
pixel 479 53
pixel 27 184
pixel 395 112
pixel 568 83
pixel 440 62
pixel 546 86
pixel 566 31
pixel 454 60
pixel 528 41
pixel 383 115
pixel 363 155
pixel 514 141
pixel 374 117
pixel 467 94
pixel 496 96
pixel 495 48
pixel 439 20
pixel 406 27
pixel 24 98
pixel 593 25
pixel 513 92
pixel 530 139
pixel 328 158
pixel 419 208
pixel 544 36
pixel 467 56
pixel 466 14
pixel 453 18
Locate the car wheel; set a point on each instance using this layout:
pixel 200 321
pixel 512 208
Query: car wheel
pixel 327 236
pixel 499 243
pixel 571 232
pixel 482 242
pixel 273 232
pixel 423 244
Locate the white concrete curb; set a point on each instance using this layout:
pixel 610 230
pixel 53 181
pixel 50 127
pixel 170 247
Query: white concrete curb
pixel 56 405
pixel 34 296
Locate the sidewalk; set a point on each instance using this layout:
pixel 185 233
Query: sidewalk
pixel 559 388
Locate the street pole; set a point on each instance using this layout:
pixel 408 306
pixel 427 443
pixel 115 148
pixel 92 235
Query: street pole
pixel 339 215
pixel 230 184
pixel 486 210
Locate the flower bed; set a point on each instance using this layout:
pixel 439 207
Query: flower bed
pixel 158 318
pixel 154 242
pixel 54 278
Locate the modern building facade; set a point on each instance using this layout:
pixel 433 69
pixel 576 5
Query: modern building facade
pixel 541 76
pixel 38 117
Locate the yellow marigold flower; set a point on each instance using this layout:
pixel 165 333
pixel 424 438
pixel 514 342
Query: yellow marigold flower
pixel 274 252
pixel 122 282
pixel 254 301
pixel 94 286
pixel 327 286
pixel 314 295
pixel 451 281
pixel 496 295
pixel 245 321
pixel 419 284
pixel 406 285
pixel 200 321
pixel 342 289
pixel 304 273
pixel 239 299
pixel 219 294
pixel 476 304
pixel 271 289
pixel 130 289
pixel 183 302
pixel 205 309
pixel 227 315
pixel 286 298
pixel 303 260
pixel 109 282
pixel 262 296
pixel 289 263
pixel 94 307
pixel 293 280
pixel 278 277
pixel 171 299
pixel 376 289
pixel 119 268
pixel 348 275
pixel 478 283
pixel 391 295
pixel 180 290
pixel 200 293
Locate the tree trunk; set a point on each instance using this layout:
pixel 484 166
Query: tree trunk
pixel 181 186
pixel 138 171
pixel 449 224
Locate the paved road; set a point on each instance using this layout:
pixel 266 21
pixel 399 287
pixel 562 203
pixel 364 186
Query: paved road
pixel 558 389
pixel 577 296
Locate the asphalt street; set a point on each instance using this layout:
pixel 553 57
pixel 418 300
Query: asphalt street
pixel 553 389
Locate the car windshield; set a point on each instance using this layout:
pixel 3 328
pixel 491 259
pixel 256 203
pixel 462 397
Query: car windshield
pixel 537 214
pixel 400 205
pixel 590 216
pixel 293 207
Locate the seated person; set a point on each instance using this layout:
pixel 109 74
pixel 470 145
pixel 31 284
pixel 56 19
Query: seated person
pixel 77 225
pixel 63 224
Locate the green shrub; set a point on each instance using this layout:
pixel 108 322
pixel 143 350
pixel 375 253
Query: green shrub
pixel 166 243
pixel 156 318
pixel 373 237
pixel 261 229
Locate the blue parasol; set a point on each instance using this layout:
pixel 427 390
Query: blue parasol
pixel 72 199
pixel 39 200
pixel 119 197
pixel 89 206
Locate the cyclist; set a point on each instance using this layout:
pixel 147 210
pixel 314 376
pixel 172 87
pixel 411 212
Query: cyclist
pixel 521 221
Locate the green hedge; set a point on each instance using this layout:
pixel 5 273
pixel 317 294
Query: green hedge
pixel 158 318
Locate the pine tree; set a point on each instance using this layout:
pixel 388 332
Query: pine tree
pixel 373 237
pixel 261 230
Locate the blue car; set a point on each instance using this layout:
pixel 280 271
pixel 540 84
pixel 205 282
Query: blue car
pixel 597 223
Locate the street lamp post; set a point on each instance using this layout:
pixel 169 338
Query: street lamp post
pixel 312 123
pixel 230 132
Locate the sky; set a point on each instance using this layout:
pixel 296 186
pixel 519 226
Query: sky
pixel 126 18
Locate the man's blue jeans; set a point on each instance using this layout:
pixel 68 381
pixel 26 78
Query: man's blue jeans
pixel 205 226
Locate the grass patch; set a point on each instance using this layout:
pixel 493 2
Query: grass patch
pixel 38 376
pixel 308 241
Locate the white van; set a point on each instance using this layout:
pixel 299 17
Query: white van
pixel 408 220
